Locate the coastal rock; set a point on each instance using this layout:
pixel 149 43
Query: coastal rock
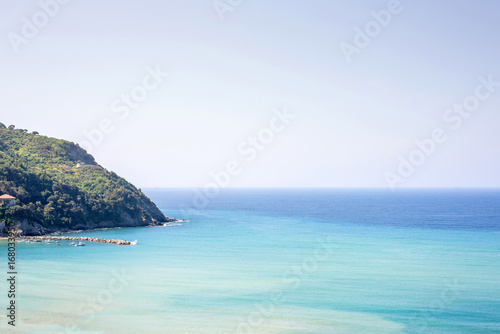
pixel 66 238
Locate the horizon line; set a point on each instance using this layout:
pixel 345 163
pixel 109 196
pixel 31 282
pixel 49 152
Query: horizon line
pixel 313 187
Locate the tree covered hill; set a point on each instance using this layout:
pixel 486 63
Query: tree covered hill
pixel 60 187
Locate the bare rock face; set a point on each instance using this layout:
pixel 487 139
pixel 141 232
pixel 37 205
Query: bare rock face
pixel 25 227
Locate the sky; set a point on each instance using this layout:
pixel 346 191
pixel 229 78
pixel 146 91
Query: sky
pixel 248 93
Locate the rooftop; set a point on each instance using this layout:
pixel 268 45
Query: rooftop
pixel 7 197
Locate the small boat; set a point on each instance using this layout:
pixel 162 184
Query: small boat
pixel 80 244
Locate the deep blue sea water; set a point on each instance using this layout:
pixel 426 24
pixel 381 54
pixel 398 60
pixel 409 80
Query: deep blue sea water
pixel 283 261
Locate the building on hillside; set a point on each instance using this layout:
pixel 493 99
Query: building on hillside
pixel 7 201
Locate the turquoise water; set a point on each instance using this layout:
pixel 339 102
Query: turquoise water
pixel 288 261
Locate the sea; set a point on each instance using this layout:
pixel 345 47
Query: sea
pixel 274 261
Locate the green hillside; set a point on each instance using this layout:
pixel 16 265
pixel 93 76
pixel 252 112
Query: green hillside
pixel 60 187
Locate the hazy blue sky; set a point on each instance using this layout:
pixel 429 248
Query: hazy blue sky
pixel 354 120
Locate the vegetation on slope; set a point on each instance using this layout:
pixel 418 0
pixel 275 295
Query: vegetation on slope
pixel 59 186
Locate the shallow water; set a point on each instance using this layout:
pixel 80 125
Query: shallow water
pixel 280 262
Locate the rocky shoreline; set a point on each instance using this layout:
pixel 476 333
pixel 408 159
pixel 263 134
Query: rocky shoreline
pixel 106 241
pixel 55 235
pixel 30 229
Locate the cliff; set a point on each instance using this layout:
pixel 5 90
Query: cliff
pixel 60 187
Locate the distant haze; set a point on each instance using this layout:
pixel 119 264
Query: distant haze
pixel 262 93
